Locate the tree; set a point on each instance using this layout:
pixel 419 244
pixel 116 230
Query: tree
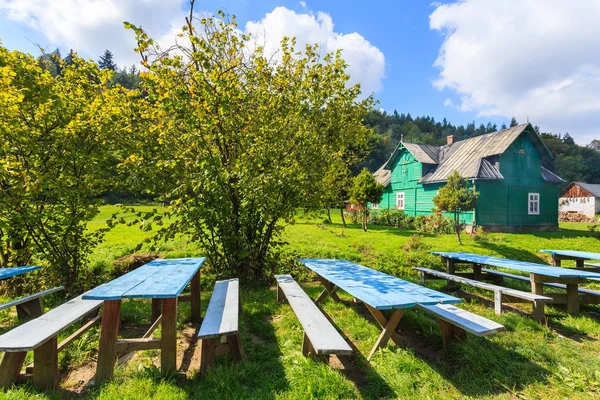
pixel 595 144
pixel 336 188
pixel 513 122
pixel 456 197
pixel 365 189
pixel 54 161
pixel 106 61
pixel 235 140
pixel 70 57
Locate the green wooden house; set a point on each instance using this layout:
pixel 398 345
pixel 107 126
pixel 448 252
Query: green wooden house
pixel 515 191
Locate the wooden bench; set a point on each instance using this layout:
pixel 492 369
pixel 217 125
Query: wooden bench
pixel 31 306
pixel 320 336
pixel 40 336
pixel 582 291
pixel 455 322
pixel 500 293
pixel 221 323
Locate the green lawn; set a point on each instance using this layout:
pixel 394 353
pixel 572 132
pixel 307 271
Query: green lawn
pixel 528 361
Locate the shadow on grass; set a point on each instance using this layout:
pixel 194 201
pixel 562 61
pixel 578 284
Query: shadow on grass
pixel 513 253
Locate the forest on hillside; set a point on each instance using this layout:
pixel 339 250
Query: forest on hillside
pixel 571 161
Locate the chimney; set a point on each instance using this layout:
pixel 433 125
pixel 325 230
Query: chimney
pixel 450 139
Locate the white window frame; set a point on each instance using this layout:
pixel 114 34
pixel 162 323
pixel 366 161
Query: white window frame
pixel 400 200
pixel 375 206
pixel 533 203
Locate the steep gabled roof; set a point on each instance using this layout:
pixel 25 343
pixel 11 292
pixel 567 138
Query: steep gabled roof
pixel 468 157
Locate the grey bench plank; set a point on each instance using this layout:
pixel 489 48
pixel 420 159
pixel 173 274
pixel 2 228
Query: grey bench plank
pixel 31 334
pixel 323 336
pixel 526 279
pixel 221 317
pixel 25 299
pixel 487 286
pixel 464 319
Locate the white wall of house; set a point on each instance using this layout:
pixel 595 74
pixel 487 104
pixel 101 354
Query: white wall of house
pixel 588 206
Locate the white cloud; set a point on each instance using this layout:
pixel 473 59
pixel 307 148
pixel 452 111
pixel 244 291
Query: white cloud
pixel 91 26
pixel 303 4
pixel 366 63
pixel 537 58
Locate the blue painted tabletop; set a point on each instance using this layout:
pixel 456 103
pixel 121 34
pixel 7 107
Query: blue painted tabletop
pixel 6 273
pixel 584 255
pixel 532 268
pixel 159 279
pixel 379 290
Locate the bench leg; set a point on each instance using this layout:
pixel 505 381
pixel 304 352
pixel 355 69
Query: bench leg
pixel 572 298
pixel 389 331
pixel 10 368
pixel 537 311
pixel 477 272
pixel 280 295
pixel 168 340
pixel 207 355
pixel 195 290
pixel 45 365
pixel 498 302
pixel 111 318
pixel 309 351
pixel 451 332
pixel 31 309
pixel 156 309
pixel 235 347
pixel 450 269
pixel 329 290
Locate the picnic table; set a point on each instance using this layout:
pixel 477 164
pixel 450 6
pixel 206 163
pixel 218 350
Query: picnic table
pixel 377 290
pixel 160 280
pixel 538 275
pixel 579 256
pixel 6 273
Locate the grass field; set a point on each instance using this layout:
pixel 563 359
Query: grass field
pixel 558 359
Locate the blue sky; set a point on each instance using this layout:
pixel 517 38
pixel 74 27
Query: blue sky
pixel 527 59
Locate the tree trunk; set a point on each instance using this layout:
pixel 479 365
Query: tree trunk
pixel 342 214
pixel 457 227
pixel 364 212
pixel 329 215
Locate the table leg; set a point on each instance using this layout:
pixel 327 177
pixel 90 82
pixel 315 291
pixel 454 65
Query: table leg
pixel 572 298
pixel 450 269
pixel 168 340
pixel 556 260
pixel 537 287
pixel 111 318
pixel 389 330
pixel 580 263
pixel 329 290
pixel 477 272
pixel 196 313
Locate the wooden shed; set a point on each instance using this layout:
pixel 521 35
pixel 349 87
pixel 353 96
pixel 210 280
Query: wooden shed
pixel 505 167
pixel 582 198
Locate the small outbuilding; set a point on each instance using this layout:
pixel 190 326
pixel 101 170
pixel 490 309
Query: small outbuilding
pixel 582 198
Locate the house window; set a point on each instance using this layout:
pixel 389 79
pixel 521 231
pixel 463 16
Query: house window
pixel 534 204
pixel 375 206
pixel 400 201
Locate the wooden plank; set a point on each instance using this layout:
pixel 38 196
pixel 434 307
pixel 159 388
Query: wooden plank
pixel 322 334
pixel 45 361
pixel 485 285
pixel 221 317
pixel 31 309
pixel 235 347
pixel 554 285
pixel 381 291
pixel 79 332
pixel 572 298
pixel 539 269
pixel 31 334
pixel 168 340
pixel 466 320
pixel 26 299
pixel 6 273
pixel 131 345
pixel 207 355
pixel 156 309
pixel 159 278
pixel 10 368
pixel 111 318
pixel 126 357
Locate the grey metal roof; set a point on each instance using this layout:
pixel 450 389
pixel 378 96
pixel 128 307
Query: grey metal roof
pixel 550 176
pixel 383 176
pixel 590 187
pixel 468 157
